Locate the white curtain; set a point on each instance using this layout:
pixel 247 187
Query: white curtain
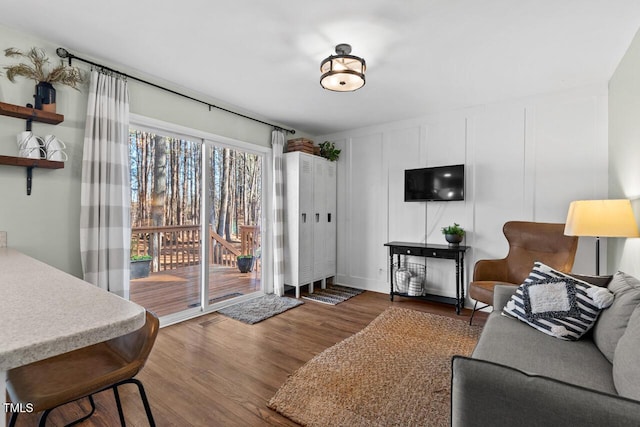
pixel 105 229
pixel 277 145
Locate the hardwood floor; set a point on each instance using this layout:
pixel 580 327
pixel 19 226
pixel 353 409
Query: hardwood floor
pixel 216 371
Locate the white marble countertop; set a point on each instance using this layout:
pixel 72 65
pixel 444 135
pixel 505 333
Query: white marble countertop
pixel 45 312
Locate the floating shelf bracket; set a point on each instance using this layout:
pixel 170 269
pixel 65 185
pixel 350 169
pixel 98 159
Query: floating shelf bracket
pixel 29 179
pixel 29 164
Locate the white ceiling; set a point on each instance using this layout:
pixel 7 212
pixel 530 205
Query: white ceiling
pixel 423 56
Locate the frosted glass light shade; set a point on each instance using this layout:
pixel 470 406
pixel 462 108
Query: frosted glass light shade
pixel 343 72
pixel 601 218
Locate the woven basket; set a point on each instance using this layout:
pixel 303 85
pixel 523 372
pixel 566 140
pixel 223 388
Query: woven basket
pixel 409 278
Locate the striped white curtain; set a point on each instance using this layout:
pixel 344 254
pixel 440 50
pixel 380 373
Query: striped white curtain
pixel 105 229
pixel 277 148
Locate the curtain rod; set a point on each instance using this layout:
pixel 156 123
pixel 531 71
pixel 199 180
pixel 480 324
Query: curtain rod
pixel 64 53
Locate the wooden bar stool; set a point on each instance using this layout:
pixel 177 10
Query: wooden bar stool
pixel 53 382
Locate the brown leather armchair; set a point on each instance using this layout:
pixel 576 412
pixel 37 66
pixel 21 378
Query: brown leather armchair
pixel 528 242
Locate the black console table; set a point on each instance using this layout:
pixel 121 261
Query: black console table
pixel 429 250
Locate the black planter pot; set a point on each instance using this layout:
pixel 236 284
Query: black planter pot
pixel 45 94
pixel 245 264
pixel 453 239
pixel 140 268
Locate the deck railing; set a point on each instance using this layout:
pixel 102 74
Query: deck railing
pixel 178 246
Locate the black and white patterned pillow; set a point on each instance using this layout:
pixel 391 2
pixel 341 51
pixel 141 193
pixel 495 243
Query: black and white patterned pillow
pixel 557 304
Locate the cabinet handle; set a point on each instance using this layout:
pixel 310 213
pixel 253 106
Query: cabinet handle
pixel 328 217
pixel 317 217
pixel 304 217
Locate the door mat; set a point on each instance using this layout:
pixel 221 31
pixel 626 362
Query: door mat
pixel 259 309
pixel 334 294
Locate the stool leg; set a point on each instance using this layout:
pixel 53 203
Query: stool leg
pixel 119 405
pixel 93 409
pixel 145 402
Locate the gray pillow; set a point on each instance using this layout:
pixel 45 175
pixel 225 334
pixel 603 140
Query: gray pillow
pixel 626 369
pixel 613 320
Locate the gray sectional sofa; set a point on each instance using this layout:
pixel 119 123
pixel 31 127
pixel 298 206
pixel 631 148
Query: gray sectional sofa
pixel 518 376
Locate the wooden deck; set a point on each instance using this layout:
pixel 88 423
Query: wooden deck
pixel 171 291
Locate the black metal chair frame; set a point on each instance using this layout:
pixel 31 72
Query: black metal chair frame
pixel 143 397
pixel 477 309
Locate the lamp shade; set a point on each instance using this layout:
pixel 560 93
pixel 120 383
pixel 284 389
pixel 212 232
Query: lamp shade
pixel 342 72
pixel 601 218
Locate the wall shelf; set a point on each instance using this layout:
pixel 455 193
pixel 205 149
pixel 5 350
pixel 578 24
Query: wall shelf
pixel 30 164
pixel 30 114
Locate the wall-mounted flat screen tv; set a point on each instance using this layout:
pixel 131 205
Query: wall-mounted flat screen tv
pixel 441 183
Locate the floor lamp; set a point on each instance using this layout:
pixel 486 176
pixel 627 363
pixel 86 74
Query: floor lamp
pixel 601 218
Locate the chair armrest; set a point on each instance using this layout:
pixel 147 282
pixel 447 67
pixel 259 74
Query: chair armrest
pixel 489 394
pixel 490 270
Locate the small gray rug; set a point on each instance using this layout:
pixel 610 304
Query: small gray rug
pixel 258 309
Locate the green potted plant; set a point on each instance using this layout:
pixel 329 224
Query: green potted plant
pixel 245 263
pixel 35 69
pixel 328 151
pixel 453 233
pixel 140 266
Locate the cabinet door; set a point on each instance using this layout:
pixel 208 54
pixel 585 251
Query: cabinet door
pixel 319 217
pixel 306 219
pixel 331 229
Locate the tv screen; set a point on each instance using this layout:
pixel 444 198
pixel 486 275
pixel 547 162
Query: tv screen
pixel 442 183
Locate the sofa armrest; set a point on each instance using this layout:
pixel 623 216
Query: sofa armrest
pixel 501 295
pixel 488 394
pixel 601 281
pixel 494 270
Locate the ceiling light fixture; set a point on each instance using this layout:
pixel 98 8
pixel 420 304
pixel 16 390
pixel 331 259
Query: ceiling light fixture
pixel 342 72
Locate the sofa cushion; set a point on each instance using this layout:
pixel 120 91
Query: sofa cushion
pixel 614 319
pixel 512 343
pixel 582 303
pixel 626 369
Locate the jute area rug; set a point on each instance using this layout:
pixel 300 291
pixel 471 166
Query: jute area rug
pixel 395 372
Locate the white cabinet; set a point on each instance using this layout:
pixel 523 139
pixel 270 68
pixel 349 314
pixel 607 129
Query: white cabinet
pixel 310 220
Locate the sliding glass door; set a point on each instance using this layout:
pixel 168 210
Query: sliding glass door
pixel 196 216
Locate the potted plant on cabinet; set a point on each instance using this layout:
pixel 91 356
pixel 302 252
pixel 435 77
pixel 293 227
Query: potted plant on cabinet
pixel 329 151
pixel 45 96
pixel 245 263
pixel 140 266
pixel 453 234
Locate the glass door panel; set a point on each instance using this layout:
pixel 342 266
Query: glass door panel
pixel 234 209
pixel 166 236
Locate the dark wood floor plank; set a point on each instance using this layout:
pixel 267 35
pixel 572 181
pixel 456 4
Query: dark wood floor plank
pixel 216 371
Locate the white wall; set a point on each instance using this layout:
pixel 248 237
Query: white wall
pixel 45 225
pixel 525 160
pixel 624 152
